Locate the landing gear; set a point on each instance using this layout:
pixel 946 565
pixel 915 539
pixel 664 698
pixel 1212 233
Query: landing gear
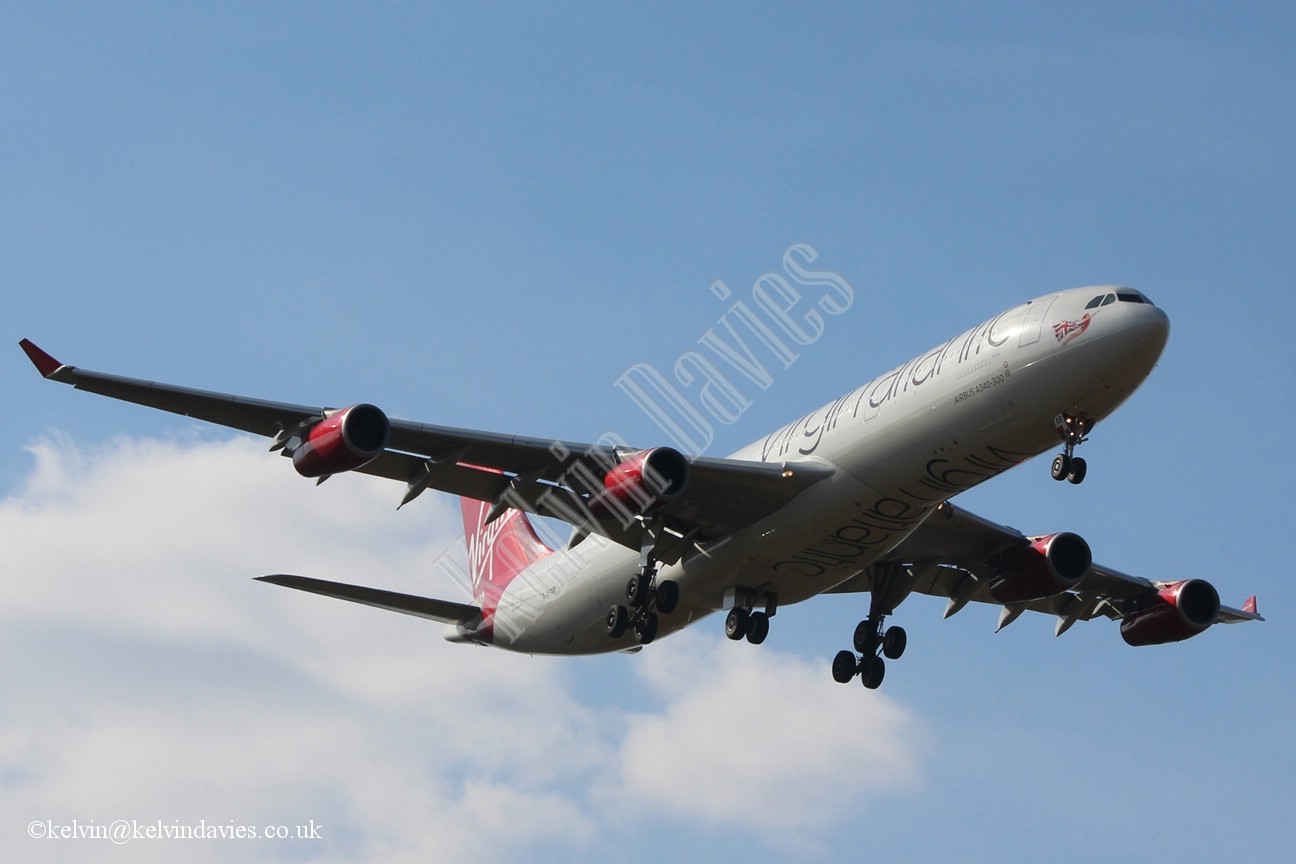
pixel 1066 465
pixel 646 601
pixel 647 598
pixel 743 623
pixel 873 641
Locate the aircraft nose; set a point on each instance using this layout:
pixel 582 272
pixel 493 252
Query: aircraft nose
pixel 1144 330
pixel 1150 326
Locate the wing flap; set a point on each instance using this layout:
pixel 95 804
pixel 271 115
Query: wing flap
pixel 392 601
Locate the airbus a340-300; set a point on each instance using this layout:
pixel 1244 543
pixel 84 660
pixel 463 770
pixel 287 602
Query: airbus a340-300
pixel 852 497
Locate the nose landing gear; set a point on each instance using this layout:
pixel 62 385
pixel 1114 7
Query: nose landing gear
pixel 1074 430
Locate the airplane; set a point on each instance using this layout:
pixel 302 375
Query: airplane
pixel 852 497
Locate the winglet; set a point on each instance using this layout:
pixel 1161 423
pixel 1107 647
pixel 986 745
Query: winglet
pixel 44 363
pixel 1250 605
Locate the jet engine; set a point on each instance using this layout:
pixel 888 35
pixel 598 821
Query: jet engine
pixel 342 441
pixel 643 482
pixel 1048 566
pixel 1176 612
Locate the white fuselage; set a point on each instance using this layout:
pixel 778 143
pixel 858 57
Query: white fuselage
pixel 899 445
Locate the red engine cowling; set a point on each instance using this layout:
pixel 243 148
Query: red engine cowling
pixel 1048 566
pixel 1176 612
pixel 343 441
pixel 644 482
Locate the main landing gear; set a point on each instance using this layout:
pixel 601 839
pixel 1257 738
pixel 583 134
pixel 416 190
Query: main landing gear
pixel 1066 465
pixel 744 623
pixel 873 642
pixel 646 599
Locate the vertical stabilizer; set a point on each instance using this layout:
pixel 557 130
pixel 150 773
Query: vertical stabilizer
pixel 497 552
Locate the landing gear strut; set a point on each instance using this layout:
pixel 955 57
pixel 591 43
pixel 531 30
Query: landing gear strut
pixel 1074 430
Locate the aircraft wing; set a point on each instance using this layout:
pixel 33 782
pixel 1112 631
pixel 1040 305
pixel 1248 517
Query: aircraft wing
pixel 547 477
pixel 953 554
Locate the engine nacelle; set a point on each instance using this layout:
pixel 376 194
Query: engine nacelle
pixel 1048 566
pixel 1178 611
pixel 644 482
pixel 343 441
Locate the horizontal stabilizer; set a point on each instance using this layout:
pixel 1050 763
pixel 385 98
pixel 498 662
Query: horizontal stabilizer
pixel 409 604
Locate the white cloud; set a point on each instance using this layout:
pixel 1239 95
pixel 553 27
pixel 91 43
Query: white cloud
pixel 763 740
pixel 152 679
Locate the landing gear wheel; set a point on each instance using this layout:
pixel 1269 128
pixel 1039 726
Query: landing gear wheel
pixel 667 597
pixel 872 671
pixel 757 627
pixel 1061 466
pixel 866 637
pixel 1077 472
pixel 639 589
pixel 736 623
pixel 645 628
pixel 894 642
pixel 844 667
pixel 618 619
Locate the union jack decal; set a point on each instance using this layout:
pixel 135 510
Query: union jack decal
pixel 1065 331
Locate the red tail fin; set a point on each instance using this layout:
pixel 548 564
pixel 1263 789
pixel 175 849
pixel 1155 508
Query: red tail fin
pixel 497 551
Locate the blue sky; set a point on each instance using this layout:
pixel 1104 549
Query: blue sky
pixel 482 216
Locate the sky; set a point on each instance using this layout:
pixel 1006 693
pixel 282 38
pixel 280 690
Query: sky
pixel 483 215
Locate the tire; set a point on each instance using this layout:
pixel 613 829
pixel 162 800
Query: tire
pixel 667 597
pixel 1078 470
pixel 645 630
pixel 893 643
pixel 618 619
pixel 872 671
pixel 866 637
pixel 736 623
pixel 757 628
pixel 1061 467
pixel 637 590
pixel 844 667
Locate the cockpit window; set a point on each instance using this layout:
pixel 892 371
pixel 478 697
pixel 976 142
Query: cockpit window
pixel 1125 295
